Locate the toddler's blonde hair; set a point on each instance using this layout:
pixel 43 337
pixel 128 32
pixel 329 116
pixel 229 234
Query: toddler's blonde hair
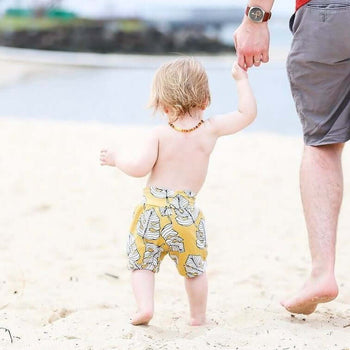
pixel 179 87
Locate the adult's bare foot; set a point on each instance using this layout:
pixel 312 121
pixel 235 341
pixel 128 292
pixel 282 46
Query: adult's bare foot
pixel 197 321
pixel 141 318
pixel 315 291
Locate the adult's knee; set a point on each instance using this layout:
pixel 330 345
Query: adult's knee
pixel 325 153
pixel 334 148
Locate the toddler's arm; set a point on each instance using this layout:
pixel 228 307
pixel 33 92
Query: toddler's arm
pixel 230 123
pixel 138 165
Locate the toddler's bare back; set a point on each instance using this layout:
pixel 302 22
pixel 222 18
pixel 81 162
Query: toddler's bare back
pixel 183 158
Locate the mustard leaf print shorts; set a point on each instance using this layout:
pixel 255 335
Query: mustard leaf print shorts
pixel 168 222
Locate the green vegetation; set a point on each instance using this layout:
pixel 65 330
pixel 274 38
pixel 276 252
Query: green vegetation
pixel 55 19
pixel 9 23
pixel 130 25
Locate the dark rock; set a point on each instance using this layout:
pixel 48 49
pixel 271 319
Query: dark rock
pixel 102 39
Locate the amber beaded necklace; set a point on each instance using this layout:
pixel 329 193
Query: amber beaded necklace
pixel 187 130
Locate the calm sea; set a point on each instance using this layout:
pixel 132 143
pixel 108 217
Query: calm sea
pixel 119 96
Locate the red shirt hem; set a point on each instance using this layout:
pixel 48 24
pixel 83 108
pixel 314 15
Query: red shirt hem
pixel 300 3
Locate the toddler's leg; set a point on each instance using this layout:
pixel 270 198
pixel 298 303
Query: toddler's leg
pixel 143 287
pixel 197 291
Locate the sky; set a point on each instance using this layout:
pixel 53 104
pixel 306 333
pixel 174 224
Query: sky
pixel 285 6
pixel 280 7
pixel 101 7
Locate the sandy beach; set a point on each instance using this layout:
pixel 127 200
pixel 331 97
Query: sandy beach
pixel 64 222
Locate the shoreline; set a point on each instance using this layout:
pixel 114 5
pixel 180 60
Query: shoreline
pixel 126 61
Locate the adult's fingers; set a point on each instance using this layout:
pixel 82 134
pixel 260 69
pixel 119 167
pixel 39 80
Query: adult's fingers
pixel 241 61
pixel 249 61
pixel 257 60
pixel 265 57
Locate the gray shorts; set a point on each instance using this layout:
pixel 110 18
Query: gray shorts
pixel 318 67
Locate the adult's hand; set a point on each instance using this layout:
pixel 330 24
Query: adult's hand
pixel 252 41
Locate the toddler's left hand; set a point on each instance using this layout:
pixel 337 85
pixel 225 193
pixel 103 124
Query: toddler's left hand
pixel 238 73
pixel 107 157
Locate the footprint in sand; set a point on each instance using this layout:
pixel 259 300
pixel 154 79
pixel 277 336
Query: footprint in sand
pixel 58 314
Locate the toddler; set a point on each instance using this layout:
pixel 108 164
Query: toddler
pixel 176 157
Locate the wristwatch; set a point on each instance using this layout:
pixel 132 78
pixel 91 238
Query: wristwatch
pixel 257 14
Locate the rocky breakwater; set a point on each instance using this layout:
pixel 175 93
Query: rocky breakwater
pixel 113 36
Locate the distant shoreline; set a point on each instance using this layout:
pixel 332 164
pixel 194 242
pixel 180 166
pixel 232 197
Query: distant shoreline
pixel 96 60
pixel 112 60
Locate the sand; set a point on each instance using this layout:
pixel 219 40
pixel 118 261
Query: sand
pixel 64 221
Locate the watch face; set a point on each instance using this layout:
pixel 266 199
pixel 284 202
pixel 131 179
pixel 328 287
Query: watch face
pixel 256 14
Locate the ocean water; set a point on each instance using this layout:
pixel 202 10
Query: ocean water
pixel 120 95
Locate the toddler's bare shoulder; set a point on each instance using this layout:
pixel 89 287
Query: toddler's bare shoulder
pixel 210 124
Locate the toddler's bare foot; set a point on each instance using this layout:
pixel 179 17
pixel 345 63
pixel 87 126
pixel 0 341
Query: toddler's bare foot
pixel 315 291
pixel 197 321
pixel 141 318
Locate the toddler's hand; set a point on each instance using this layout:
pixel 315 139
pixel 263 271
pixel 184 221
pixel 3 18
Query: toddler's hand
pixel 238 73
pixel 107 157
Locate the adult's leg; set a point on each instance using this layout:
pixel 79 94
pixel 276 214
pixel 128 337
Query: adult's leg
pixel 321 185
pixel 143 286
pixel 197 291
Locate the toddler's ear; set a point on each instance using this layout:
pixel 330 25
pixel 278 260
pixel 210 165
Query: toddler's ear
pixel 205 105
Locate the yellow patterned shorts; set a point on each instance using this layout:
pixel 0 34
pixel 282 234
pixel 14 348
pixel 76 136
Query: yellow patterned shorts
pixel 168 222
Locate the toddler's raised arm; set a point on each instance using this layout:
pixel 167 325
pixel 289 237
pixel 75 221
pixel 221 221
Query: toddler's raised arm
pixel 230 123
